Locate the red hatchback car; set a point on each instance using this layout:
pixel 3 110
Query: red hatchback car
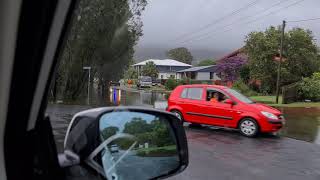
pixel 222 106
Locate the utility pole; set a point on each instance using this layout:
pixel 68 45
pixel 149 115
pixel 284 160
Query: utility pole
pixel 280 61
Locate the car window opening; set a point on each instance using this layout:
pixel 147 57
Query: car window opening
pixel 240 96
pixel 215 96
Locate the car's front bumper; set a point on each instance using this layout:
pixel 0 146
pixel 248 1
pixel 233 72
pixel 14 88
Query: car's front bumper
pixel 273 125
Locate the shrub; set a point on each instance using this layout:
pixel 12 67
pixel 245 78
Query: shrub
pixel 309 88
pixel 171 83
pixel 243 88
pixel 184 81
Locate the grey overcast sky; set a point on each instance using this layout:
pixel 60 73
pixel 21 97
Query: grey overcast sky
pixel 204 27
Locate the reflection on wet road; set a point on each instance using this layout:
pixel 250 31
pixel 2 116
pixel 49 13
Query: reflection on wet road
pixel 302 123
pixel 222 154
pixel 135 98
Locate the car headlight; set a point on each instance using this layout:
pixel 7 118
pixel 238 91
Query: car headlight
pixel 269 115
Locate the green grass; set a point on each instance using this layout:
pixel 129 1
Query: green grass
pixel 271 100
pixel 266 99
pixel 298 104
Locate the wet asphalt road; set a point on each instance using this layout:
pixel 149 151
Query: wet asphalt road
pixel 224 154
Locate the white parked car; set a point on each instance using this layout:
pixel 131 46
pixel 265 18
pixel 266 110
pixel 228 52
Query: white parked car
pixel 114 148
pixel 144 81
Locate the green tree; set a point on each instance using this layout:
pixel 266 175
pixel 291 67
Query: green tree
pixel 309 88
pixel 161 134
pixel 102 35
pixel 300 52
pixel 245 74
pixel 171 83
pixel 109 131
pixel 207 62
pixel 136 126
pixel 181 54
pixel 131 73
pixel 150 69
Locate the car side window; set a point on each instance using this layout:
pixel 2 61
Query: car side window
pixel 184 93
pixel 194 93
pixel 216 96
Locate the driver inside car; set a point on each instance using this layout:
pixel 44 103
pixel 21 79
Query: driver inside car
pixel 214 97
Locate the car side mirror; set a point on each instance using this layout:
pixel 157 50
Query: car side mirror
pixel 126 143
pixel 229 101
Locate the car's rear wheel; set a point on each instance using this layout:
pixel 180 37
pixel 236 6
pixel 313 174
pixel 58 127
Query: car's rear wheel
pixel 178 115
pixel 248 127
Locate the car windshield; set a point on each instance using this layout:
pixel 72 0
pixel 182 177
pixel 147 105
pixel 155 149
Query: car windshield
pixel 146 79
pixel 145 53
pixel 239 96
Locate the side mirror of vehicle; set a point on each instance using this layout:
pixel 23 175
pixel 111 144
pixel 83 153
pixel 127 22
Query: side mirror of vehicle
pixel 126 143
pixel 229 101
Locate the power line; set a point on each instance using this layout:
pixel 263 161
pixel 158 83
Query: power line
pixel 312 19
pixel 242 18
pixel 252 21
pixel 220 19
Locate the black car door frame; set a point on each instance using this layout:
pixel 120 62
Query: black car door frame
pixel 41 30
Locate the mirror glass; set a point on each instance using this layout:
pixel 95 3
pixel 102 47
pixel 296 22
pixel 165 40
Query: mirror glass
pixel 136 145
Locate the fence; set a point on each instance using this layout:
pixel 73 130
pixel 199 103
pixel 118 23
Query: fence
pixel 290 93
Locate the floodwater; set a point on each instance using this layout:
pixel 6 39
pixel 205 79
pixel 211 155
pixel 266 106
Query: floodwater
pixel 301 123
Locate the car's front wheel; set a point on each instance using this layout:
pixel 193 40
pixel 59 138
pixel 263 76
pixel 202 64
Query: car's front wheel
pixel 178 115
pixel 248 127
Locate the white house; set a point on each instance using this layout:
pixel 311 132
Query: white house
pixel 167 67
pixel 199 73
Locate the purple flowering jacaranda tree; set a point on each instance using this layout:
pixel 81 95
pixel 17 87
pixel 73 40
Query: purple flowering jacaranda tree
pixel 229 67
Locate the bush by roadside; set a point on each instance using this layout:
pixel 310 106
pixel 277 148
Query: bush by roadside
pixel 309 88
pixel 171 83
pixel 243 88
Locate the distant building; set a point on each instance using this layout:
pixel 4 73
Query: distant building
pixel 167 67
pixel 199 73
pixel 238 52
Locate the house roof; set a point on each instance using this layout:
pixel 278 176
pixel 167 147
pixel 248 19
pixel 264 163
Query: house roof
pixel 211 68
pixel 234 53
pixel 163 62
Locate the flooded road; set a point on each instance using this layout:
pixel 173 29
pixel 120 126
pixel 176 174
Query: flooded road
pixel 301 123
pixel 225 154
